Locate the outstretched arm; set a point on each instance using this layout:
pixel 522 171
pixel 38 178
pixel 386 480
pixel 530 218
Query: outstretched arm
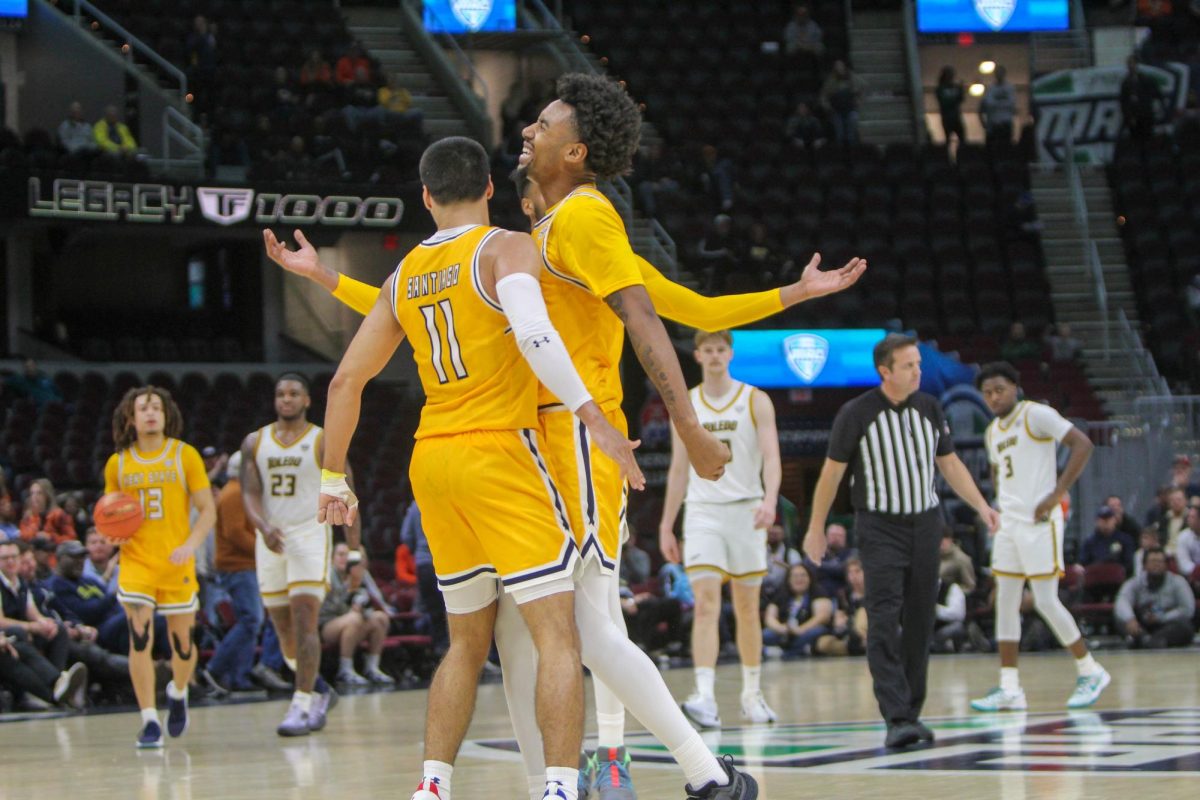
pixel 305 263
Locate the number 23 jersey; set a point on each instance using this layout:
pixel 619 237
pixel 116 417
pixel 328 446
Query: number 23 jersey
pixel 474 376
pixel 291 477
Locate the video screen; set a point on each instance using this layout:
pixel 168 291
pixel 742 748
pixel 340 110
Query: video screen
pixel 992 16
pixel 470 16
pixel 818 358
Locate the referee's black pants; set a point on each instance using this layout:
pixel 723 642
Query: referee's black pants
pixel 900 556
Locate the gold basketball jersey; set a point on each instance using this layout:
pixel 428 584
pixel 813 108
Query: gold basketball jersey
pixel 474 376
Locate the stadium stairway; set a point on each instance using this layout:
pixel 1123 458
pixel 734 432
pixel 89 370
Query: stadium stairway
pixel 877 56
pixel 1072 283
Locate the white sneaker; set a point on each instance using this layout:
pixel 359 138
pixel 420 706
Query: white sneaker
pixel 999 700
pixel 702 711
pixel 755 709
pixel 352 678
pixel 773 652
pixel 379 676
pixel 1088 689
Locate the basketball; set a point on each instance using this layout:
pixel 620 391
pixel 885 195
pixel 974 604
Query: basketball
pixel 117 515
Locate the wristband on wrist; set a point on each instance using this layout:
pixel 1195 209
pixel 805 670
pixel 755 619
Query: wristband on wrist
pixel 330 475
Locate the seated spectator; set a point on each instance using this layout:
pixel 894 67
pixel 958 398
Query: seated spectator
pixel 714 177
pixel 1187 550
pixel 949 629
pixel 804 128
pixel 1018 347
pixel 9 529
pixel 635 562
pixel 43 518
pixel 1155 609
pixel 37 562
pixel 392 107
pixel 762 257
pixel 655 623
pixel 802 34
pixel 956 566
pixel 654 173
pixel 848 633
pixel 673 580
pixel 83 600
pixel 1063 346
pixel 405 565
pixel 432 603
pixel 42 643
pixel 34 384
pixel 348 620
pixel 1125 523
pixel 718 251
pixel 113 136
pixel 354 66
pixel 316 70
pixel 103 561
pixel 1181 476
pixel 831 572
pixel 1171 521
pixel 75 134
pixel 780 558
pixel 1147 540
pixel 72 505
pixel 840 95
pixel 1107 545
pixel 797 616
pixel 1156 509
pixel 287 100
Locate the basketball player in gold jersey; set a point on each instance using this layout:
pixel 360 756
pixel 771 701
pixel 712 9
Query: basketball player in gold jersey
pixel 158 565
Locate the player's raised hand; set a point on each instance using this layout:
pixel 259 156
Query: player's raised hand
pixel 708 454
pixel 303 261
pixel 815 283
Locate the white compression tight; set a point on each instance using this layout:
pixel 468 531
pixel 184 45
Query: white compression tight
pixel 1045 600
pixel 616 662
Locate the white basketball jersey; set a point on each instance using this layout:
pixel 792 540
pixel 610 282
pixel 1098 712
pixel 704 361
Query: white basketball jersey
pixel 1023 450
pixel 730 419
pixel 291 477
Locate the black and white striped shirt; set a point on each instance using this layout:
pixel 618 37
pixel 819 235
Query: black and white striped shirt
pixel 892 450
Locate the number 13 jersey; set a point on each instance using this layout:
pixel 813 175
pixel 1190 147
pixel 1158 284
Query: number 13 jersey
pixel 291 477
pixel 474 376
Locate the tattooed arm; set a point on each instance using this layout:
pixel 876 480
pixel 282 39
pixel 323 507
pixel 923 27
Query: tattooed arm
pixel 657 356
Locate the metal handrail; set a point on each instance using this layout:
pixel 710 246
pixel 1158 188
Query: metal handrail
pixel 186 133
pixel 135 44
pixel 1142 360
pixel 1090 251
pixel 916 89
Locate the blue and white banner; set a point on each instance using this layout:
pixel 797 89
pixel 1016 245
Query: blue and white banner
pixel 778 359
pixel 14 9
pixel 470 16
pixel 992 16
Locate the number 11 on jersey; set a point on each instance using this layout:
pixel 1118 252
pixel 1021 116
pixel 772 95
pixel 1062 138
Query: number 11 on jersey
pixel 435 340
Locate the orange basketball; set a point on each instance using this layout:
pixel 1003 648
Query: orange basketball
pixel 117 515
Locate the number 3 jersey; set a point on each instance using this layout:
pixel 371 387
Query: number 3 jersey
pixel 1023 450
pixel 474 376
pixel 291 477
pixel 163 482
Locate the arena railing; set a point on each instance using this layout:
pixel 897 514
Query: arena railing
pixel 131 45
pixel 1089 251
pixel 916 90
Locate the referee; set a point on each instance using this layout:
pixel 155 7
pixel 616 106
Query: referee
pixel 894 437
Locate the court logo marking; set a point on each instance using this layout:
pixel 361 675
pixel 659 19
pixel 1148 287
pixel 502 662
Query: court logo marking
pixel 1137 742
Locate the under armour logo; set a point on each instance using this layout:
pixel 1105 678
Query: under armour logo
pixel 541 341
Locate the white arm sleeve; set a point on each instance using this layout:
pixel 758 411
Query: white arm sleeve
pixel 521 298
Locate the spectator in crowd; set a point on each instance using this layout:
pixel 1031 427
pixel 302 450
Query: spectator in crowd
pixel 229 668
pixel 802 35
pixel 35 680
pixel 804 128
pixel 1155 609
pixel 714 177
pixel 718 251
pixel 1107 545
pixel 37 561
pixel 9 529
pixel 950 99
pixel 113 136
pixel 635 562
pixel 413 535
pixel 215 464
pixel 103 561
pixel 1181 476
pixel 200 54
pixel 1172 520
pixel 839 96
pixel 848 632
pixel 82 600
pixel 34 384
pixel 316 70
pixel 1018 346
pixel 655 623
pixel 797 616
pixel 43 519
pixel 354 67
pixel 393 107
pixel 997 111
pixel 1063 346
pixel 780 558
pixel 1147 540
pixel 949 630
pixel 831 572
pixel 673 580
pixel 956 566
pixel 347 620
pixel 1139 98
pixel 1187 551
pixel 1159 506
pixel 42 643
pixel 74 133
pixel 654 174
pixel 1125 523
pixel 72 506
pixel 762 257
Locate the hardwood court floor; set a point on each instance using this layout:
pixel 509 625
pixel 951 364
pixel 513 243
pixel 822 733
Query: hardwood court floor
pixel 1142 740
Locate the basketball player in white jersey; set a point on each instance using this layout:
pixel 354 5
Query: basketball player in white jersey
pixel 725 527
pixel 1022 447
pixel 281 482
